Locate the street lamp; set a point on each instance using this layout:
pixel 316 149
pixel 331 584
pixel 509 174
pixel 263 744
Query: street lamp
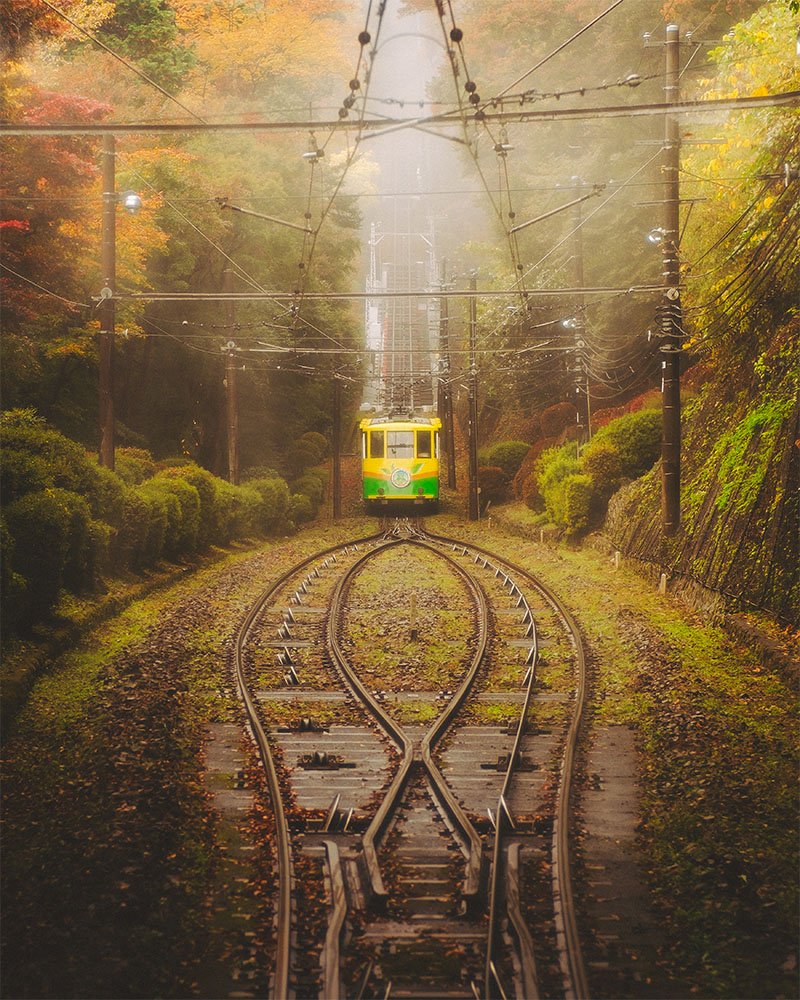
pixel 131 202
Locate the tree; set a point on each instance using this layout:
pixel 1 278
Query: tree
pixel 267 48
pixel 147 32
pixel 745 282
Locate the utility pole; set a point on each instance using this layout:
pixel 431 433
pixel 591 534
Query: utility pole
pixel 446 388
pixel 107 304
pixel 671 306
pixel 474 509
pixel 337 447
pixel 231 386
pixel 583 406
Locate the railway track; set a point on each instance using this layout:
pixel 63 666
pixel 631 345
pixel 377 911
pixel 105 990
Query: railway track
pixel 439 841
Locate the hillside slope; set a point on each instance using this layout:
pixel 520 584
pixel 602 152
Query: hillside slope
pixel 740 494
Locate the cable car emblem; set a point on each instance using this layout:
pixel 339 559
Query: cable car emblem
pixel 401 478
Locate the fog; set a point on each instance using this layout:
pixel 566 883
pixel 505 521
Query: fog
pixel 431 204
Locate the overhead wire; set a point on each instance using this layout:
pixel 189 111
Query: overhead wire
pixel 585 218
pixel 47 291
pixel 503 185
pixel 457 55
pixel 558 49
pixel 310 241
pixel 241 271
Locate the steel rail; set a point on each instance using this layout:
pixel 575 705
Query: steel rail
pixel 526 954
pixel 474 880
pixel 280 979
pixel 390 727
pixel 571 953
pixel 501 889
pixel 465 830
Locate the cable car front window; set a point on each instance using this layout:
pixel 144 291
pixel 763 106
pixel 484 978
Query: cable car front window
pixel 376 444
pixel 423 444
pixel 400 444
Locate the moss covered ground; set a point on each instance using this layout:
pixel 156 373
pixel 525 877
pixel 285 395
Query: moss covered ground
pixel 109 842
pixel 717 733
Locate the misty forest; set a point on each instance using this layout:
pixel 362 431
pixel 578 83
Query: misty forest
pixel 400 486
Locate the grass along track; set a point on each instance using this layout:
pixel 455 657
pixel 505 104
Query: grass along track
pixel 716 736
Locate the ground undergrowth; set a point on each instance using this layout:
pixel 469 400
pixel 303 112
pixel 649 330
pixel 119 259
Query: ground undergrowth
pixel 109 841
pixel 718 756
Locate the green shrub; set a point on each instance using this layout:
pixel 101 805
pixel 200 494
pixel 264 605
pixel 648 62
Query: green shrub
pixel 39 526
pixel 239 510
pixel 185 540
pixel 260 472
pixel 301 455
pixel 637 438
pixel 577 490
pixel 227 510
pixel 21 473
pixel 319 441
pixel 552 469
pixel 507 455
pixel 312 486
pixel 248 508
pixel 301 509
pixel 86 541
pixel 320 473
pixel 174 462
pixel 107 495
pixel 129 546
pixel 274 495
pixel 578 493
pixel 206 487
pixel 164 496
pixel 12 585
pixel 134 465
pixel 601 460
pixel 493 483
pixel 64 463
pixel 163 518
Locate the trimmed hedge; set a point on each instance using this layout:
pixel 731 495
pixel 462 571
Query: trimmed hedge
pixel 67 519
pixel 63 463
pixel 274 506
pixel 39 525
pixel 577 503
pixel 553 468
pixel 134 465
pixel 636 438
pixel 506 455
pixel 301 509
pixel 576 490
pixel 492 482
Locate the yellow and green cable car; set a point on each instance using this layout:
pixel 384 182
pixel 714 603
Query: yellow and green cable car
pixel 400 460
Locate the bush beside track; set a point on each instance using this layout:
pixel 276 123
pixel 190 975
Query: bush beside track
pixel 68 522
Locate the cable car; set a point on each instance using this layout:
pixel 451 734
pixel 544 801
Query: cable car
pixel 400 461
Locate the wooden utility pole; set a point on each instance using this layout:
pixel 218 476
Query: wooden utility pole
pixel 231 386
pixel 337 447
pixel 107 304
pixel 474 509
pixel 446 388
pixel 582 405
pixel 671 306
